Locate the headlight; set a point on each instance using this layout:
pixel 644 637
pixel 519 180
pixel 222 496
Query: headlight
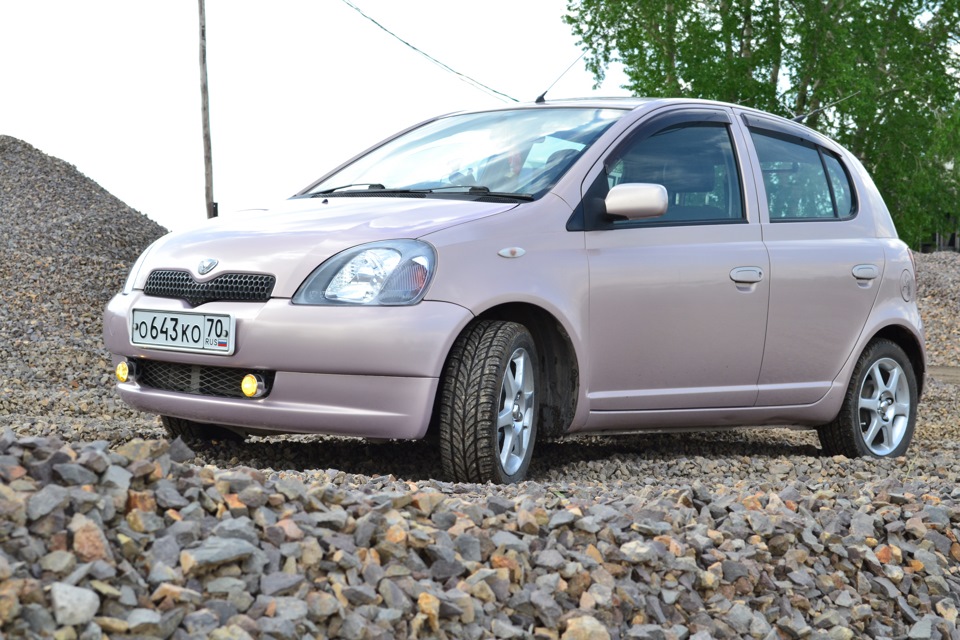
pixel 135 271
pixel 394 272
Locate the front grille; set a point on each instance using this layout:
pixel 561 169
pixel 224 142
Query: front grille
pixel 234 287
pixel 220 382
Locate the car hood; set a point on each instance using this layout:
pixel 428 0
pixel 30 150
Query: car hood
pixel 292 239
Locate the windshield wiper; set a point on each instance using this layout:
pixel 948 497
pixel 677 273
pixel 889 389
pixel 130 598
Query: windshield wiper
pixel 375 188
pixel 368 185
pixel 471 189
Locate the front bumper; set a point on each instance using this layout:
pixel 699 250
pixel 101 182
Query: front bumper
pixel 360 371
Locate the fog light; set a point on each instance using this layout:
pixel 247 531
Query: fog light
pixel 123 371
pixel 252 386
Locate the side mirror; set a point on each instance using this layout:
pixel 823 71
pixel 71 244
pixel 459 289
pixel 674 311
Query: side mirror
pixel 637 201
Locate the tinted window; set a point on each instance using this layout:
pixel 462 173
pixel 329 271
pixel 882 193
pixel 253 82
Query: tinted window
pixel 842 191
pixel 795 177
pixel 697 165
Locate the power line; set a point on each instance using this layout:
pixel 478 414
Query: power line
pixel 462 76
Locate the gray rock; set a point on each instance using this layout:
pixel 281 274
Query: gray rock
pixel 43 502
pixel 561 518
pixel 335 520
pixel 499 505
pixel 863 525
pixel 279 583
pixel 241 528
pixel 281 628
pixel 503 629
pixel 509 542
pixel 168 497
pixel 116 477
pixel 468 546
pixel 39 619
pixel 291 608
pixel 73 605
pixel 160 573
pixel 361 594
pixel 923 630
pixel 639 552
pixel 733 570
pixel 549 559
pixel 393 596
pixel 547 608
pixel 291 488
pixel 58 562
pixel 180 452
pixel 214 552
pixel 202 621
pixel 646 632
pixel 144 621
pixel 442 570
pixel 321 605
pixel 74 474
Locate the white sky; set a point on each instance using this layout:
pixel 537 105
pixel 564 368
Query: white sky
pixel 296 86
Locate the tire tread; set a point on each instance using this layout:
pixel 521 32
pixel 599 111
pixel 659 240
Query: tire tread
pixel 470 393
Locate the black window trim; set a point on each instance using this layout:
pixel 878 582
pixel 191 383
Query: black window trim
pixel 854 201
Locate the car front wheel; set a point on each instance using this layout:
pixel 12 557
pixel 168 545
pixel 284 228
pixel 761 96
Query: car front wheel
pixel 488 404
pixel 880 408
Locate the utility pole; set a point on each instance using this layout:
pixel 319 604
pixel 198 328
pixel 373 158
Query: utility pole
pixel 205 115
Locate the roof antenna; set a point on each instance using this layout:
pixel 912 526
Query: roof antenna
pixel 803 117
pixel 542 97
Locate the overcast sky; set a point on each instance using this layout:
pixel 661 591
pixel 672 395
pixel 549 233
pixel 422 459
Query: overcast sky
pixel 296 86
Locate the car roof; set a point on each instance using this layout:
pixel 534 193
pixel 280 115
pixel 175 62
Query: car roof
pixel 625 103
pixel 629 103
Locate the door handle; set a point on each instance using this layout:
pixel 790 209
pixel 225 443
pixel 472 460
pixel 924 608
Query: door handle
pixel 747 275
pixel 866 271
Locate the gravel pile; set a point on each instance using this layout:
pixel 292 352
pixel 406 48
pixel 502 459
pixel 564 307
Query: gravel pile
pixel 938 293
pixel 109 530
pixel 66 247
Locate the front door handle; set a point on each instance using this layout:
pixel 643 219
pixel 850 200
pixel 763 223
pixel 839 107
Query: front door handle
pixel 747 275
pixel 866 271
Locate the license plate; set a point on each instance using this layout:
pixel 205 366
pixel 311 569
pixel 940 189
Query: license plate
pixel 184 331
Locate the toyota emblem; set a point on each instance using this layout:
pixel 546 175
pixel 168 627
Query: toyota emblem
pixel 206 266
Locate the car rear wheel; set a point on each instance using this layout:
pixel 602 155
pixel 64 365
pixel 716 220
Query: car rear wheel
pixel 197 432
pixel 880 408
pixel 488 404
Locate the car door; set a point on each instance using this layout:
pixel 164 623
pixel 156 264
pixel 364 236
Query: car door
pixel 825 259
pixel 678 303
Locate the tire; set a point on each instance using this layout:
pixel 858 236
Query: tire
pixel 191 431
pixel 488 404
pixel 879 411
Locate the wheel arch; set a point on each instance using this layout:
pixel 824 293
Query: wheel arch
pixel 908 341
pixel 559 367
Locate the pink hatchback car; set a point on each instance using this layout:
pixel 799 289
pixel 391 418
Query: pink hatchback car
pixel 568 267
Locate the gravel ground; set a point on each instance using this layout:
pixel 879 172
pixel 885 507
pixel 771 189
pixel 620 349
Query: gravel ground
pixel 109 530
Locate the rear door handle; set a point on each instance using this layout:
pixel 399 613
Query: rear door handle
pixel 746 275
pixel 866 271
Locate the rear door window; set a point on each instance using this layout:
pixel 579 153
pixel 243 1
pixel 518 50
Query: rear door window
pixel 802 180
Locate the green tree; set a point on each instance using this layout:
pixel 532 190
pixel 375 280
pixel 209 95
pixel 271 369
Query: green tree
pixel 889 68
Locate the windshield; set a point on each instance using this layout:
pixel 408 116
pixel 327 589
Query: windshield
pixel 519 152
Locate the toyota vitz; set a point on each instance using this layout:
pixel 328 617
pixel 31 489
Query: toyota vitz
pixel 565 267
